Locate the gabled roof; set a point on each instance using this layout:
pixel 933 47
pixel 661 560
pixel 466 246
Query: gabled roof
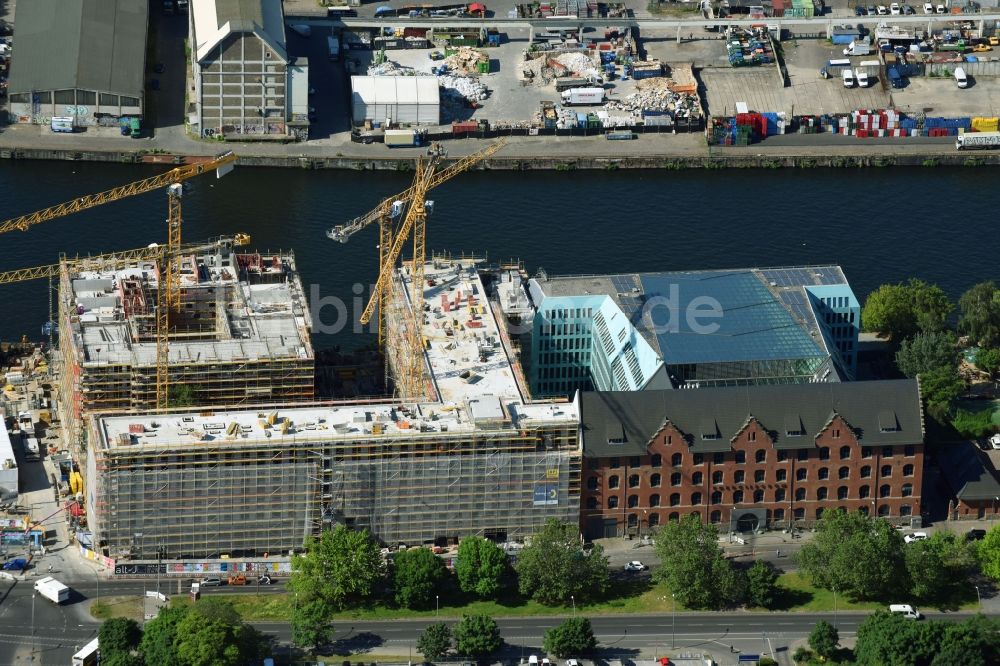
pixel 880 413
pixel 969 472
pixel 87 44
pixel 214 20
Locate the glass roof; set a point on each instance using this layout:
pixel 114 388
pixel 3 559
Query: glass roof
pixel 754 324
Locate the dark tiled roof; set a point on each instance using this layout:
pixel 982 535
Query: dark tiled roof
pixel 881 412
pixel 969 472
pixel 88 44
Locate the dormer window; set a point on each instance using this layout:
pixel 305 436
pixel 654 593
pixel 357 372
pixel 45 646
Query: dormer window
pixel 793 426
pixel 710 430
pixel 887 421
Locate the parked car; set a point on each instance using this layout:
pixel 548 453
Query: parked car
pixel 635 565
pixel 916 536
pixel 882 11
pixel 975 535
pixel 894 9
pixel 941 9
pixel 995 441
pixel 238 579
pixel 908 10
pixel 860 11
pixel 906 610
pixel 928 8
pixel 16 564
pixel 211 582
pixel 264 580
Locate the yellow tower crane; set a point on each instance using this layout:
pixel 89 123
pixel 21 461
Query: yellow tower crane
pixel 409 379
pixel 168 291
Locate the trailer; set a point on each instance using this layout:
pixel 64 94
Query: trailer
pixel 583 96
pixel 977 141
pixel 401 138
pixel 52 590
pixel 87 655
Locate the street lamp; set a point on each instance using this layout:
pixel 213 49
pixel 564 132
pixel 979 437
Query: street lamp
pixel 573 599
pixel 437 605
pixel 979 599
pixel 836 622
pixel 673 619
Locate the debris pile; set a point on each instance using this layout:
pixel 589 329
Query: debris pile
pixel 390 68
pixel 467 60
pixel 573 64
pixel 656 95
pixel 463 87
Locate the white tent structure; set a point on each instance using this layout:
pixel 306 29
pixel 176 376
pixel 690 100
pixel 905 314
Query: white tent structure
pixel 413 100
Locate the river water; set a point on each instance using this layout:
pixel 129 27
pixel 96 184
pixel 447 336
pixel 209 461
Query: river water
pixel 881 225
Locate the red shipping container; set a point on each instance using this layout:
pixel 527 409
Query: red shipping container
pixel 862 134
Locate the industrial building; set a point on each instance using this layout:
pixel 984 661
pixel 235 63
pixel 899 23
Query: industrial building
pixel 83 59
pixel 478 457
pixel 404 100
pixel 688 329
pixel 241 336
pixel 242 71
pixel 751 457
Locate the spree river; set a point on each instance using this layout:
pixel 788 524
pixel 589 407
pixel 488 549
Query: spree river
pixel 881 225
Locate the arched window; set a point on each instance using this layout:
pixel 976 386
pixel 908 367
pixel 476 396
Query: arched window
pixel 779 514
pixel 758 476
pixel 842 493
pixel 697 478
pixel 613 502
pixel 886 470
pixel 738 497
pixel 819 513
pixel 654 480
pixel 823 474
pixel 675 460
pixel 717 477
pixel 654 519
pixel 654 500
pixel 674 517
pixel 883 510
pixel 907 490
pixel 675 499
pixel 633 520
pixel 844 473
pixel 781 475
pixel 824 453
pixel 591 483
pixel 716 497
pixel 656 460
pixel 779 495
pixel 715 517
pixel 800 494
pixel 591 503
pixel 845 452
pixel 760 456
pixel 864 491
pixel 866 472
pixel 821 493
pixel 695 499
pixel 883 490
pixel 675 479
pixel 633 481
pixel 907 470
pixel 613 481
pixel 905 510
pixel 758 496
pixel 801 474
pixel 739 475
pixel 633 501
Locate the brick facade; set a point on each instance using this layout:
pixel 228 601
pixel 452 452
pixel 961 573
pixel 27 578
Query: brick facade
pixel 832 468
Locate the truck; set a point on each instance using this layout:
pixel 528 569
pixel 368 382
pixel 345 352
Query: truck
pixel 583 96
pixel 895 79
pixel 333 46
pixel 563 85
pixel 401 138
pixel 52 589
pixel 977 141
pixel 857 48
pixel 87 655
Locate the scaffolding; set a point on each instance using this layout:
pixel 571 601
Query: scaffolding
pixel 233 342
pixel 254 482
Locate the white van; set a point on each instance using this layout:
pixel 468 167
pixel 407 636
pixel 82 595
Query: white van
pixel 906 610
pixel 862 77
pixel 961 80
pixel 848 77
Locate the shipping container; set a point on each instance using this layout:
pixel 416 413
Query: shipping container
pixel 399 138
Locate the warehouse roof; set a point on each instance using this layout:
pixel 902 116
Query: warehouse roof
pixel 86 44
pixel 214 20
pixel 623 422
pixel 396 89
pixel 969 472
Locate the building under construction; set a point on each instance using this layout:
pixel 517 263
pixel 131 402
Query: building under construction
pixel 475 456
pixel 241 334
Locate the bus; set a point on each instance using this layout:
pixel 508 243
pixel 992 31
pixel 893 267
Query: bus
pixel 87 656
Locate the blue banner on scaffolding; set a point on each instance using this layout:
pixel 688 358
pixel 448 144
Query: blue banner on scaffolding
pixel 546 494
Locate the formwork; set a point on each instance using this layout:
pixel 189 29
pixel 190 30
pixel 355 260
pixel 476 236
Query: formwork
pixel 242 335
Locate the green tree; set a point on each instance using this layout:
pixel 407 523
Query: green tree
pixel 980 319
pixel 989 553
pixel 892 640
pixel 480 566
pixel 988 360
pixel 342 567
pixel 974 642
pixel 157 645
pixel 936 565
pixel 181 395
pixel 824 638
pixel 925 352
pixel 122 659
pixel 573 638
pixel 900 310
pixel 311 626
pixel 477 636
pixel 843 540
pixel 417 574
pixel 693 567
pixel 553 568
pixel 212 634
pixel 762 584
pixel 435 641
pixel 940 389
pixel 119 635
